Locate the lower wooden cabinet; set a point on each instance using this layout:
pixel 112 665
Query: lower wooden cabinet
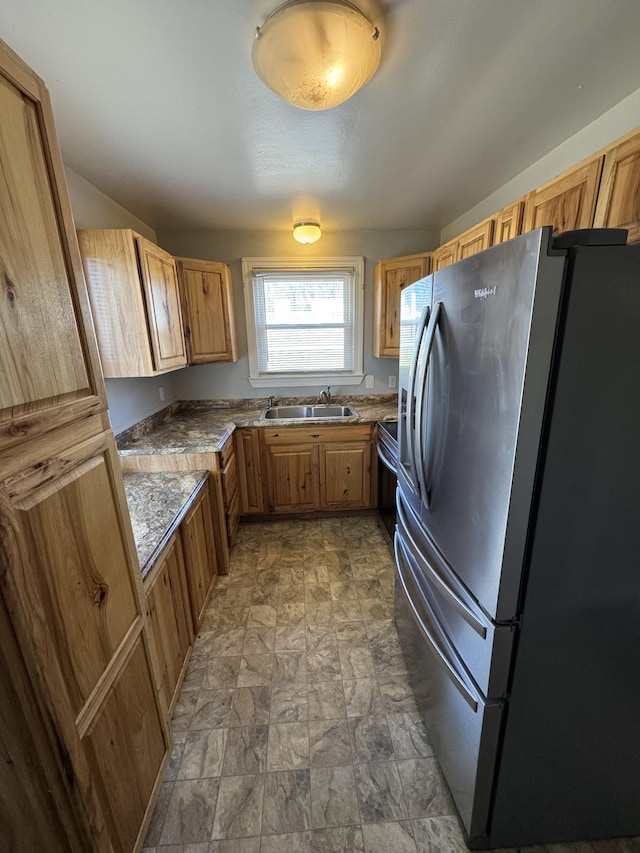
pixel 250 480
pixel 345 474
pixel 169 614
pixel 199 554
pixel 292 478
pixel 315 468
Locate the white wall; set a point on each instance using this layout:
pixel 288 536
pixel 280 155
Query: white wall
pixel 130 400
pixel 229 381
pixel 616 122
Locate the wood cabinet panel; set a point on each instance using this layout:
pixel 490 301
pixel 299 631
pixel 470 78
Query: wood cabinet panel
pixel 619 195
pixel 199 554
pixel 250 484
pixel 345 475
pixel 315 434
pixel 125 746
pixel 209 317
pixel 293 483
pixel 133 287
pixel 84 576
pixel 169 613
pixel 475 240
pixel 508 223
pixel 567 202
pixel 71 582
pixel 49 362
pixel 163 303
pixel 445 255
pixel 390 277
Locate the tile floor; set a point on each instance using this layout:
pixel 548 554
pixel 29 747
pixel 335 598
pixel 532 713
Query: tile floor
pixel 296 729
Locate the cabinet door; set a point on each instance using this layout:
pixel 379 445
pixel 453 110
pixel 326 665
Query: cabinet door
pixel 209 321
pixel 619 195
pixel 476 239
pixel 567 202
pixel 390 277
pixel 164 313
pixel 508 223
pixel 292 478
pixel 50 371
pixel 169 613
pixel 345 475
pixel 249 471
pixel 199 555
pixel 71 582
pixel 445 255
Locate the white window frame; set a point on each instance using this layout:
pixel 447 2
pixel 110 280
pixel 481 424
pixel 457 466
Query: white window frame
pixel 274 380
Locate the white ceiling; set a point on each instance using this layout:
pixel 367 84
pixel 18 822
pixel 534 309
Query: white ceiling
pixel 157 105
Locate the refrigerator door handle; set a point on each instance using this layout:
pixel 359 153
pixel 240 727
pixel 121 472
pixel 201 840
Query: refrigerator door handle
pixel 417 346
pixel 434 637
pixel 422 382
pixel 465 611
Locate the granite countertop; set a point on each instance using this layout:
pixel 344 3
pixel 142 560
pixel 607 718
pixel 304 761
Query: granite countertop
pixel 157 504
pixel 204 426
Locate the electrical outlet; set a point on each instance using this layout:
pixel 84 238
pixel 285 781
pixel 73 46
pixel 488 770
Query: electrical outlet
pixel 369 381
pixel 393 381
pixel 161 392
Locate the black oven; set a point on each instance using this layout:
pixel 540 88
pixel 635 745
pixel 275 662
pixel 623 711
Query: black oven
pixel 387 446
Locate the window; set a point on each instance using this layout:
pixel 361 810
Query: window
pixel 304 320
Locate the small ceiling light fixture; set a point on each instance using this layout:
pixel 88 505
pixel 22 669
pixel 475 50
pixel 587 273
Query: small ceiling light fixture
pixel 316 54
pixel 307 231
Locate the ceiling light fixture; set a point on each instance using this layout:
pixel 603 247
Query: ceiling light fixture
pixel 307 232
pixel 316 53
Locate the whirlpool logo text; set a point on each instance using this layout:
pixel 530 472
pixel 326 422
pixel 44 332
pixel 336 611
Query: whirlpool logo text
pixel 484 292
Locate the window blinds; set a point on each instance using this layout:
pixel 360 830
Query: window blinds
pixel 304 321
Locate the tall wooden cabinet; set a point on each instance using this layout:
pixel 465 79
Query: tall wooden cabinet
pixel 207 301
pixel 78 661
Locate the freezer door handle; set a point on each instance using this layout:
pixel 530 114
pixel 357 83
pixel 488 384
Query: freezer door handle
pixel 422 382
pixel 417 346
pixel 433 634
pixel 462 607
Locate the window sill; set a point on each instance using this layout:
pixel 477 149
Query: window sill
pixel 300 380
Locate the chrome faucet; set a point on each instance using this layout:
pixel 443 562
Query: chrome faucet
pixel 272 400
pixel 325 397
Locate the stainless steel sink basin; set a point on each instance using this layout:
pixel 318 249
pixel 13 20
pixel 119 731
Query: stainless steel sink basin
pixel 301 412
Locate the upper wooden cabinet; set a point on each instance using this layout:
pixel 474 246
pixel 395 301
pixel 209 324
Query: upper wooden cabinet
pixel 567 202
pixel 508 222
pixel 50 369
pixel 476 239
pixel 445 255
pixel 207 302
pixel 133 287
pixel 619 196
pixel 390 277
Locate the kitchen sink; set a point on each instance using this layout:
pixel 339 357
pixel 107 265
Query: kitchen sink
pixel 301 412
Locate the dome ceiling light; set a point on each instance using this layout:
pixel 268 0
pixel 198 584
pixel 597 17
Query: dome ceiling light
pixel 316 54
pixel 307 231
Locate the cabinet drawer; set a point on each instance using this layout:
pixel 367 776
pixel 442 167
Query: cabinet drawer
pixel 226 453
pixel 229 481
pixel 317 434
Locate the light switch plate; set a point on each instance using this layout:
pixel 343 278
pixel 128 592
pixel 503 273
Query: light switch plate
pixel 393 381
pixel 369 381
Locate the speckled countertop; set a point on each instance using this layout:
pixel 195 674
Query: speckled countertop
pixel 157 503
pixel 204 426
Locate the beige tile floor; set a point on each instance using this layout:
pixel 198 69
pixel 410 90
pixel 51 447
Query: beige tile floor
pixel 296 729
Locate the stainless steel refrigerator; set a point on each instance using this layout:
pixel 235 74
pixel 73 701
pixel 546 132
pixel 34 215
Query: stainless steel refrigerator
pixel 518 533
